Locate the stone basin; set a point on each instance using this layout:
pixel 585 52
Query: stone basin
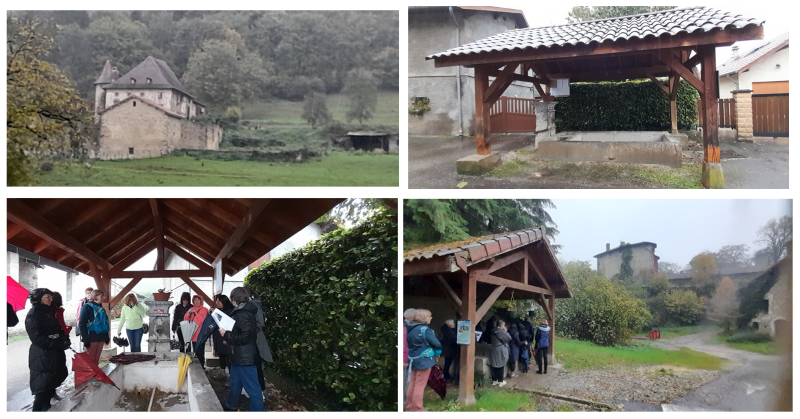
pixel 647 147
pixel 137 381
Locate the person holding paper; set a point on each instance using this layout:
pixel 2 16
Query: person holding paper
pixel 243 353
pixel 220 346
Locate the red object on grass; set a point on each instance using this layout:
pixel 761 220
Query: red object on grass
pixel 85 369
pixel 436 381
pixel 16 294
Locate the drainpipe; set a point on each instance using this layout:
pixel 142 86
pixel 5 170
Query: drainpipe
pixel 734 81
pixel 458 79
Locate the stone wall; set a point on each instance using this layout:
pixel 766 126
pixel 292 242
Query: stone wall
pixel 744 113
pixel 135 130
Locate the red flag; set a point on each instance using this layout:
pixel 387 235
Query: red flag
pixel 85 369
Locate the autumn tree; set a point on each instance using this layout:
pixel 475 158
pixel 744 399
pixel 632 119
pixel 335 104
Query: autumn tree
pixel 315 109
pixel 722 307
pixel 45 114
pixel 704 273
pixel 586 13
pixel 361 89
pixel 684 307
pixel 775 235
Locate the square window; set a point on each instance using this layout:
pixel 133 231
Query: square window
pixel 159 95
pixel 134 103
pixel 130 150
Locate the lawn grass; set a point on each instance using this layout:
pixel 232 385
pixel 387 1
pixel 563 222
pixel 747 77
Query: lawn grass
pixel 387 111
pixel 336 169
pixel 575 354
pixel 487 399
pixel 675 331
pixel 766 348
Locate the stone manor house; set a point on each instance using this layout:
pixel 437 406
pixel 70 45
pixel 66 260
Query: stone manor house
pixel 146 113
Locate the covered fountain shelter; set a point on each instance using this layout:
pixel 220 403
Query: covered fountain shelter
pixel 102 237
pixel 662 44
pixel 482 270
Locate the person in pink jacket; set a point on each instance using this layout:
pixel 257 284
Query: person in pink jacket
pixel 197 314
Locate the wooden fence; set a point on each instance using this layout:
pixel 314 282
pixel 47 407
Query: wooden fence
pixel 726 112
pixel 771 115
pixel 510 114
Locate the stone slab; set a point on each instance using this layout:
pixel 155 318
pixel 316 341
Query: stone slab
pixel 478 164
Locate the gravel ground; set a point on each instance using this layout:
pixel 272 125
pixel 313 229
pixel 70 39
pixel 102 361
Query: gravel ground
pixel 274 400
pixel 651 384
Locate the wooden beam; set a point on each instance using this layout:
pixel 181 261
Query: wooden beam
pixel 41 245
pixel 496 280
pixel 659 70
pixel 251 222
pixel 448 292
pixel 500 84
pixel 540 73
pixel 176 209
pixel 466 391
pixel 692 62
pixel 502 261
pixel 525 270
pixel 487 304
pixel 673 101
pixel 186 241
pixel 542 280
pixel 12 230
pixel 658 83
pixel 124 291
pixel 185 255
pixel 552 312
pixel 23 215
pixel 682 40
pixel 133 258
pixel 539 298
pixel 125 214
pixel 483 130
pixel 167 273
pixel 436 264
pixel 86 215
pixel 197 290
pixel 216 210
pixel 131 246
pixel 668 58
pixel 158 228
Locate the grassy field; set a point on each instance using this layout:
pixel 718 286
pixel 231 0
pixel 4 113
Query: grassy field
pixel 487 399
pixel 337 169
pixel 285 112
pixel 575 354
pixel 675 331
pixel 766 347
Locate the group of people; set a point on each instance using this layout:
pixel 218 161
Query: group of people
pixel 510 345
pixel 513 344
pixel 241 350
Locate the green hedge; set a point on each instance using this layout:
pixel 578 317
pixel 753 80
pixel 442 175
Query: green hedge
pixel 624 106
pixel 331 311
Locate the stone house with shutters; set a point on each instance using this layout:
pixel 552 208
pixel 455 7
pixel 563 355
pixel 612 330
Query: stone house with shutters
pixel 147 112
pixel 643 260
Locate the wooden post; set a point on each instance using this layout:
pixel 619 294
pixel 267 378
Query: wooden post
pixel 673 95
pixel 466 391
pixel 551 302
pixel 483 131
pixel 712 168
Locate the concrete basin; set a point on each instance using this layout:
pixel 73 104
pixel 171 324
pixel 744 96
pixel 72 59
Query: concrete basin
pixel 648 147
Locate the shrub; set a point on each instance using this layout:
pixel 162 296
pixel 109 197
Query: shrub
pixel 332 310
pixel 624 106
pixel 294 88
pixel 233 113
pixel 599 310
pixel 749 336
pixel 684 307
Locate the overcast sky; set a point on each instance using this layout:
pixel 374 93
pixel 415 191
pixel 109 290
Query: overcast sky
pixel 776 16
pixel 680 228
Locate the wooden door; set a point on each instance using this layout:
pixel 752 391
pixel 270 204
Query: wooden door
pixel 771 115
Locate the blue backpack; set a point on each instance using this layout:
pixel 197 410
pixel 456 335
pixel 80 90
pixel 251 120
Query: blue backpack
pixel 100 323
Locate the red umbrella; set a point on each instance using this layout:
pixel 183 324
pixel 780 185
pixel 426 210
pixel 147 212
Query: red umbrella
pixel 16 293
pixel 85 369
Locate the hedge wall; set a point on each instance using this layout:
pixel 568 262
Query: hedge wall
pixel 331 311
pixel 624 106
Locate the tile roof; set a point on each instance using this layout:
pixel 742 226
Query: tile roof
pixel 157 71
pixel 626 245
pixel 481 247
pixel 106 76
pixel 734 65
pixel 670 22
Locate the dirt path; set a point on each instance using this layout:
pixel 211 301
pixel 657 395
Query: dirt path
pixel 749 386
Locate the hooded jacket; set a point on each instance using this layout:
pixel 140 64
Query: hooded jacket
pixel 543 336
pixel 46 359
pixel 449 342
pixel 422 346
pixel 242 339
pixel 498 357
pixel 87 317
pixel 197 315
pixel 261 340
pixel 180 311
pixel 515 345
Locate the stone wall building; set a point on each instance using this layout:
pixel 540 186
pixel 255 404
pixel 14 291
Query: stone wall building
pixel 644 262
pixel 776 320
pixel 147 113
pixel 435 29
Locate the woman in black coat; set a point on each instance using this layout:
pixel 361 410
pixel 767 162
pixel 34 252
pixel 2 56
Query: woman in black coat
pixel 220 347
pixel 177 317
pixel 46 359
pixel 513 350
pixel 450 350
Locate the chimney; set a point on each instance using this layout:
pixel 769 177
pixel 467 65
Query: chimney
pixel 735 51
pixel 608 247
pixel 114 73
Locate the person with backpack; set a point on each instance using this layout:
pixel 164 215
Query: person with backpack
pixel 542 345
pixel 423 347
pixel 95 326
pixel 133 313
pixel 86 299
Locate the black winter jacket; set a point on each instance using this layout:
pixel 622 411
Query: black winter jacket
pixel 177 316
pixel 219 347
pixel 46 359
pixel 242 339
pixel 449 342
